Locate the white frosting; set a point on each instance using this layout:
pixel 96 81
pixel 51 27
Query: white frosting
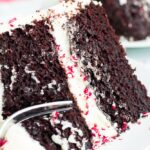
pixel 13 78
pixel 50 85
pixel 75 80
pixel 23 20
pixel 66 124
pixel 64 142
pixel 18 139
pixel 123 2
pixel 33 76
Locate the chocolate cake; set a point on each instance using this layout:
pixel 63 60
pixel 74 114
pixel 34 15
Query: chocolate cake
pixel 68 52
pixel 130 18
pixel 32 74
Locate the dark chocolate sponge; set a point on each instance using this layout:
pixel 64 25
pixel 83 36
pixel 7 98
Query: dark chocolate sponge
pixel 131 19
pixel 119 93
pixel 31 53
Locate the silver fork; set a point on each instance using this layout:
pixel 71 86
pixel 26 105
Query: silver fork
pixel 33 111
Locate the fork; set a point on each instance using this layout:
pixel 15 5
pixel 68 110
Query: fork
pixel 34 111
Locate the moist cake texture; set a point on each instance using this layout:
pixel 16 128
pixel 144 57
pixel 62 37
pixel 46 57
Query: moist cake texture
pixel 69 52
pixel 32 74
pixel 130 18
pixel 106 67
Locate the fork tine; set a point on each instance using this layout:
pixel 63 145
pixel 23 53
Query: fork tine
pixel 34 111
pixel 46 112
pixel 51 105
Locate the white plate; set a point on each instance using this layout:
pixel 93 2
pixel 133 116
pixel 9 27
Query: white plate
pixel 135 44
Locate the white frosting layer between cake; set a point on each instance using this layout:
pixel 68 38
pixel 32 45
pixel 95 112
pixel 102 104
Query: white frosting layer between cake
pixel 18 139
pixel 95 118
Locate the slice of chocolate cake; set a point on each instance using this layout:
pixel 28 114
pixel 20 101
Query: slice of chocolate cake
pixel 103 61
pixel 68 52
pixel 130 18
pixel 31 74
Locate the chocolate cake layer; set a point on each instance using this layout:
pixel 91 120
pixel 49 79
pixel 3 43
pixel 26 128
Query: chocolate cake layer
pixel 32 74
pixel 119 93
pixel 130 19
